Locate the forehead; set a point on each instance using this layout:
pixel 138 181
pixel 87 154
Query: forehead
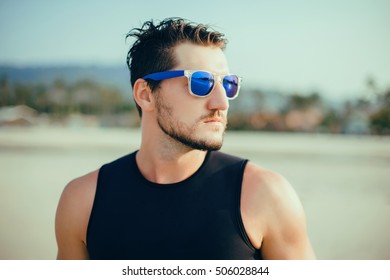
pixel 189 56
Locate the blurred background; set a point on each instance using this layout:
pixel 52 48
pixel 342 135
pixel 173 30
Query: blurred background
pixel 314 106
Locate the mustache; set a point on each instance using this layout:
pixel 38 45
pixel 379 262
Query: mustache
pixel 214 115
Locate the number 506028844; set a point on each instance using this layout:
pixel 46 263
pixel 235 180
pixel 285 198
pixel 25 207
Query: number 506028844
pixel 242 270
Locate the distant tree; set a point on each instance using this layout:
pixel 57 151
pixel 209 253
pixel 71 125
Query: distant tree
pixel 23 94
pixel 58 99
pixel 5 92
pixel 297 101
pixel 331 121
pixel 40 100
pixel 380 120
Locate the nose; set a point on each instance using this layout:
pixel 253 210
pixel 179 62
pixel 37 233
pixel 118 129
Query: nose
pixel 217 98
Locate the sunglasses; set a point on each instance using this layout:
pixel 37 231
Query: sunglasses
pixel 201 83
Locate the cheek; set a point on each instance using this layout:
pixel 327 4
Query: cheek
pixel 189 110
pixel 183 112
pixel 185 107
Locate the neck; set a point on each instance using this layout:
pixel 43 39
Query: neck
pixel 168 168
pixel 164 160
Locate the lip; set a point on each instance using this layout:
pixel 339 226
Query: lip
pixel 213 120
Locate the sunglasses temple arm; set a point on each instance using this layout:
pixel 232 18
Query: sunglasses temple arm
pixel 159 76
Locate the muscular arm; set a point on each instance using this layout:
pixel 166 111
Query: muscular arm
pixel 273 216
pixel 74 209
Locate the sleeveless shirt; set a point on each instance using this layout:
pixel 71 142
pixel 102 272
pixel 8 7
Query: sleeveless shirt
pixel 195 219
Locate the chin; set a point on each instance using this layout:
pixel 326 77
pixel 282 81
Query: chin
pixel 213 143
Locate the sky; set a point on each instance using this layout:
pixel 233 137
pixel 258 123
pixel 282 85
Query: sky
pixel 330 47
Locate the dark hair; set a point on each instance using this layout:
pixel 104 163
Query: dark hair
pixel 153 49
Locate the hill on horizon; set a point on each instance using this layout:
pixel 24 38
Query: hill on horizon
pixel 116 76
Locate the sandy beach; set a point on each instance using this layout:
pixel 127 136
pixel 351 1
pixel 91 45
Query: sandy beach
pixel 342 181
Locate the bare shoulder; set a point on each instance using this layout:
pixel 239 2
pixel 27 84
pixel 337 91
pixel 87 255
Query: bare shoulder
pixel 274 214
pixel 269 187
pixel 81 188
pixel 78 194
pixel 72 217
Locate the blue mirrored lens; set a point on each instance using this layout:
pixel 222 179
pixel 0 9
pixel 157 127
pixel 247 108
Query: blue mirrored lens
pixel 201 83
pixel 230 83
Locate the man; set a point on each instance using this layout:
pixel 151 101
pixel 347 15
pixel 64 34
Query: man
pixel 177 197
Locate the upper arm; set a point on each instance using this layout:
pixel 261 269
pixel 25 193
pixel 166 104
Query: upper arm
pixel 286 235
pixel 279 215
pixel 72 217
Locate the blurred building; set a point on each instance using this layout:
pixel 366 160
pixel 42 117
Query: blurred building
pixel 358 122
pixel 19 115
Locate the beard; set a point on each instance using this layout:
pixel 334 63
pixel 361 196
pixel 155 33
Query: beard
pixel 185 134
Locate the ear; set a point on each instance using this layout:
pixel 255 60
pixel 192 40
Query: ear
pixel 143 95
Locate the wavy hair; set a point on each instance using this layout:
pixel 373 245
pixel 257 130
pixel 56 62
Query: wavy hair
pixel 153 48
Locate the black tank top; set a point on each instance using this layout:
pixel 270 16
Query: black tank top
pixel 198 218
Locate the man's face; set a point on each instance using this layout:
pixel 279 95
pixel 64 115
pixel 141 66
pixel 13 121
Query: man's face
pixel 196 122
